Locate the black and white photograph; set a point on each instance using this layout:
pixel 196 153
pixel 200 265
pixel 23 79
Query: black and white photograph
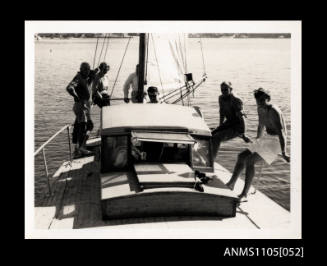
pixel 163 129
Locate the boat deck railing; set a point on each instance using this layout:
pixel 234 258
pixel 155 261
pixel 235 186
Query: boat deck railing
pixel 42 148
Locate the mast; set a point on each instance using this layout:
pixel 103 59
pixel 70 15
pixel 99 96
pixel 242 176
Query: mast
pixel 141 68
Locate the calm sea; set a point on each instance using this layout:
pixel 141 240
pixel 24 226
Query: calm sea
pixel 247 63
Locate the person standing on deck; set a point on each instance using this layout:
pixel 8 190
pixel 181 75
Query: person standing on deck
pixel 100 86
pixel 132 80
pixel 80 89
pixel 232 122
pixel 266 147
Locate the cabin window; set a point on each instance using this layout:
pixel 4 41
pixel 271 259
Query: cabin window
pixel 114 153
pixel 201 155
pixel 160 146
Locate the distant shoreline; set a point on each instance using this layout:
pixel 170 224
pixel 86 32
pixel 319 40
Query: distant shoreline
pixel 191 35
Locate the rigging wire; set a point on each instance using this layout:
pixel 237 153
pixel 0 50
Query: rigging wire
pixel 204 67
pixel 179 45
pixel 184 90
pixel 104 40
pixel 155 54
pixel 96 48
pixel 147 59
pixel 188 97
pixel 187 89
pixel 105 54
pixel 182 97
pixel 174 93
pixel 189 92
pixel 181 55
pixel 112 90
pixel 185 54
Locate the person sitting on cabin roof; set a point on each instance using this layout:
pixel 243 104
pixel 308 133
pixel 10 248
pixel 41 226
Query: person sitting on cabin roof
pixel 100 86
pixel 232 122
pixel 153 94
pixel 132 80
pixel 80 88
pixel 266 147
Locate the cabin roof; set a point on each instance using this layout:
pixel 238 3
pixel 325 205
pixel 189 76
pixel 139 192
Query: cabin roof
pixel 123 118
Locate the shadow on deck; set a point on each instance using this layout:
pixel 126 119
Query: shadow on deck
pixel 75 200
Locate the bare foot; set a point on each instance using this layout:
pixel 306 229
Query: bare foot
pixel 243 197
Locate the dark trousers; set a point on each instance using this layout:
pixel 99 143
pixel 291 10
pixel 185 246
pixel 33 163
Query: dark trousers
pixel 224 132
pixel 79 132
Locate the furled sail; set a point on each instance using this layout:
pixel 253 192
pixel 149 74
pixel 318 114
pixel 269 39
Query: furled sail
pixel 166 61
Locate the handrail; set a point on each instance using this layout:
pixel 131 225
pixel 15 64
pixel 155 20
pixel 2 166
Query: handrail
pixel 193 88
pixel 50 139
pixel 42 148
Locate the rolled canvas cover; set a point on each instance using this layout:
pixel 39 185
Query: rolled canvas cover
pixel 164 137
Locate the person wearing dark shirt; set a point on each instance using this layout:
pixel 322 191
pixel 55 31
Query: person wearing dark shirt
pixel 80 89
pixel 232 122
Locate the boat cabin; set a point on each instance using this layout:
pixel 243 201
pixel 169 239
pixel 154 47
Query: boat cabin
pixel 154 133
pixel 149 157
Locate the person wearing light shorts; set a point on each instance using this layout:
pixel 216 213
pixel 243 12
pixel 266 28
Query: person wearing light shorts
pixel 266 147
pixel 79 88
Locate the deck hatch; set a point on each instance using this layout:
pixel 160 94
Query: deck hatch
pixel 166 137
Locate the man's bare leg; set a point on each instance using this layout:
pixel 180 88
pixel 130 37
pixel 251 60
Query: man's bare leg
pixel 82 139
pixel 249 173
pixel 240 164
pixel 219 135
pixel 215 146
